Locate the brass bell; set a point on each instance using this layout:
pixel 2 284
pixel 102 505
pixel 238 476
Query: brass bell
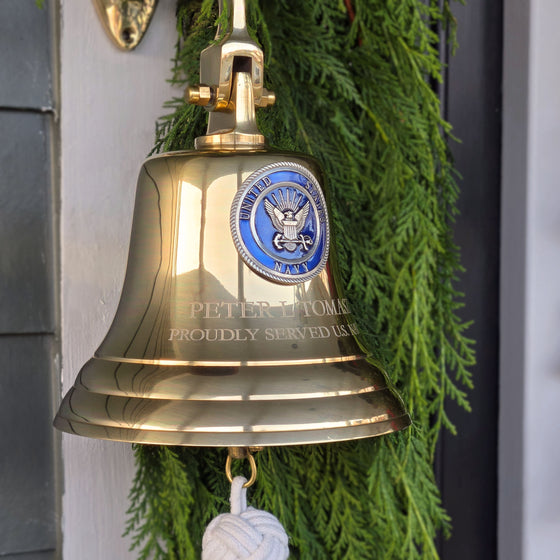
pixel 232 328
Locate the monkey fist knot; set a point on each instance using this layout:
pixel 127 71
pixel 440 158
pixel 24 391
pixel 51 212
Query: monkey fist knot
pixel 245 533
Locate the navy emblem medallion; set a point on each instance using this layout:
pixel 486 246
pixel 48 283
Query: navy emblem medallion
pixel 279 223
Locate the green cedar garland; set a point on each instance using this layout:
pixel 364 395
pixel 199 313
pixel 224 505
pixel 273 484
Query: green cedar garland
pixel 352 81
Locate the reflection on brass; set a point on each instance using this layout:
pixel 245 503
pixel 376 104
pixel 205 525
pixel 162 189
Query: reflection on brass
pixel 244 134
pixel 205 350
pixel 200 95
pixel 233 69
pixel 125 21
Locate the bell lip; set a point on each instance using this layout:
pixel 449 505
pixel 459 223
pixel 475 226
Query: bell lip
pixel 237 423
pixel 247 439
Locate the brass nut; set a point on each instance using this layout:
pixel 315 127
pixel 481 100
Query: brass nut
pixel 243 452
pixel 199 95
pixel 238 452
pixel 267 98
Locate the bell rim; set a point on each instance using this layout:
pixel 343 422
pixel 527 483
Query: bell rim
pixel 219 439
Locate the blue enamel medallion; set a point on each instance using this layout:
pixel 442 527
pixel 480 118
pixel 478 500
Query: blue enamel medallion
pixel 279 223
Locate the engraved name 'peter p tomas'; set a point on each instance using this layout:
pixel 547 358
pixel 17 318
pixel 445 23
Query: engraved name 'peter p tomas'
pixel 265 309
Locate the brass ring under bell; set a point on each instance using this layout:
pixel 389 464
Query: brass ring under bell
pixel 253 478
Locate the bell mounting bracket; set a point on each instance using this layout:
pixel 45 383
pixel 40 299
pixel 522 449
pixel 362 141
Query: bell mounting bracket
pixel 125 21
pixel 220 92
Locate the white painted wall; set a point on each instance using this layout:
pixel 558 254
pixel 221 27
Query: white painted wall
pixel 530 376
pixel 542 387
pixel 109 103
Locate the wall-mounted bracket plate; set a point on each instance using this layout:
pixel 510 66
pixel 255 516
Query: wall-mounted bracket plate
pixel 125 21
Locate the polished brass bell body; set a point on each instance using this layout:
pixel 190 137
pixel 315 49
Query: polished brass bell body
pixel 209 347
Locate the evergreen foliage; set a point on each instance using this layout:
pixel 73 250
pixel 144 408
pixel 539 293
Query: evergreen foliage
pixel 353 82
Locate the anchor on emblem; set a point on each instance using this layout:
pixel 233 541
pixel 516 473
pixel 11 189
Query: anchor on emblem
pixel 288 218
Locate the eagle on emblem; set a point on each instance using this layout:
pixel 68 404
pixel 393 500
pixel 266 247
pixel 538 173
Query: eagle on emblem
pixel 288 219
